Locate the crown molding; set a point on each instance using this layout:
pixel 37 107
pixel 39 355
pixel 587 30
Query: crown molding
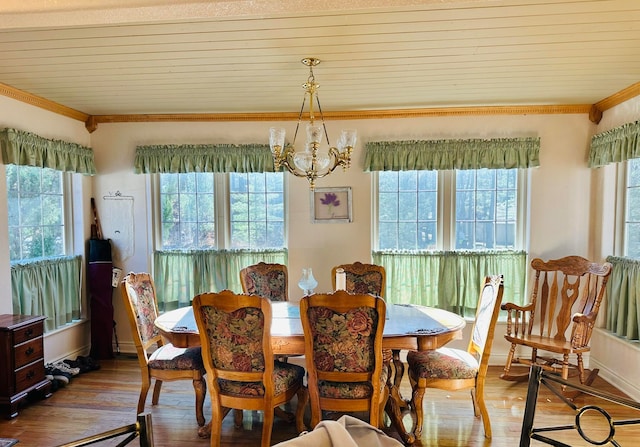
pixel 38 101
pixel 594 111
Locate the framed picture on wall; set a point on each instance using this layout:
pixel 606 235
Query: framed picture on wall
pixel 331 205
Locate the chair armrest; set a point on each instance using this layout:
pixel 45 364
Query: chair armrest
pixel 582 328
pixel 518 318
pixel 514 306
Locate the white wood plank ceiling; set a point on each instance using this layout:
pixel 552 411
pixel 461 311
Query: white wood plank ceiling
pixel 110 57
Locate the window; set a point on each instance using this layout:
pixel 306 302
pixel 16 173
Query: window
pixel 485 205
pixel 191 205
pixel 257 210
pixel 632 210
pixel 36 218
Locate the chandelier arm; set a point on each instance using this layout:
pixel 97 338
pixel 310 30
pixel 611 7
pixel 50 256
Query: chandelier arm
pixel 326 135
pixel 304 99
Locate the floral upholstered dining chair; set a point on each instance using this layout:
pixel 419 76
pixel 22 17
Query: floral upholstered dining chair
pixel 362 278
pixel 343 348
pixel 158 360
pixel 235 334
pixel 266 280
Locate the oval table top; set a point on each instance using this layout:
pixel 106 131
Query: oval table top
pixel 407 326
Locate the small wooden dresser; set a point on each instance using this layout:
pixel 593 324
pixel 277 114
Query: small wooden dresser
pixel 22 357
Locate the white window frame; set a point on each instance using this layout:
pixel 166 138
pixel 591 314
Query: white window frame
pixel 620 222
pixel 446 208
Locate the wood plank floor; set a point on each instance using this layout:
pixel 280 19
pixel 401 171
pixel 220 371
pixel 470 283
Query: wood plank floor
pixel 106 399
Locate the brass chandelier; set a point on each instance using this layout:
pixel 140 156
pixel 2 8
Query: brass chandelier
pixel 309 162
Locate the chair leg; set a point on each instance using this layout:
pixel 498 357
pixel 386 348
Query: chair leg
pixel 507 375
pixel 303 399
pixel 267 427
pixel 237 418
pixel 480 404
pixel 417 396
pixel 200 387
pixel 144 390
pixel 156 392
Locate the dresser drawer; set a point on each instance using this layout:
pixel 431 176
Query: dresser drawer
pixel 29 375
pixel 26 333
pixel 28 352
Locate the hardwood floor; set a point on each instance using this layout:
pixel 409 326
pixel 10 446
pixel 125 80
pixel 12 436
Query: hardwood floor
pixel 106 399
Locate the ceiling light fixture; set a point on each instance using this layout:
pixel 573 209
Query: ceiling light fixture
pixel 308 162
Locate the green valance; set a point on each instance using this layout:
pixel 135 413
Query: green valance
pixel 27 149
pixel 615 145
pixel 203 158
pixel 433 155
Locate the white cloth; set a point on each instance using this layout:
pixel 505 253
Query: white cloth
pixel 345 432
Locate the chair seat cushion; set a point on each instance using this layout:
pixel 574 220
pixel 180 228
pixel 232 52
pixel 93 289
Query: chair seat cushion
pixel 285 376
pixel 443 363
pixel 350 390
pixel 171 357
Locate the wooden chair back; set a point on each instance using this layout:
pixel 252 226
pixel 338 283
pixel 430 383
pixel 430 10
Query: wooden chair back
pixel 566 295
pixel 362 278
pixel 343 349
pixel 158 360
pixel 266 280
pixel 235 334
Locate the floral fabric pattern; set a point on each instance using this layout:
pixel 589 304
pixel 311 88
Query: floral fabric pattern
pixel 344 343
pixel 285 375
pixel 235 338
pixel 143 301
pixel 350 390
pixel 369 282
pixel 170 357
pixel 444 363
pixel 271 284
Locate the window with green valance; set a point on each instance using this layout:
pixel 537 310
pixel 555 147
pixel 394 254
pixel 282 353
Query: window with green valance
pixel 433 155
pixel 615 145
pixel 203 158
pixel 27 149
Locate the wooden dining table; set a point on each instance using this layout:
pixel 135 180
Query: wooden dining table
pixel 407 327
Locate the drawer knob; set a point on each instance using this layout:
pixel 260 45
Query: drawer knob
pixel 28 332
pixel 30 374
pixel 29 350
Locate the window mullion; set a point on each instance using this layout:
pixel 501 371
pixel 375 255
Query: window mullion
pixel 222 207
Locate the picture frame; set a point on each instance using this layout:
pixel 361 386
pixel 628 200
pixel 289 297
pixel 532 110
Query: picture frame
pixel 331 205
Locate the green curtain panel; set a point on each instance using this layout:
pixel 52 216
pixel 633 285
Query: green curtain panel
pixel 203 158
pixel 623 298
pixel 501 153
pixel 179 275
pixel 450 280
pixel 615 145
pixel 27 149
pixel 50 287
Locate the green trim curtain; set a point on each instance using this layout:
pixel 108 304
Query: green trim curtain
pixel 450 279
pixel 623 298
pixel 27 149
pixel 499 153
pixel 615 145
pixel 203 158
pixel 49 287
pixel 181 274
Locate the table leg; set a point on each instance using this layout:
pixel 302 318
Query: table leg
pixel 395 403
